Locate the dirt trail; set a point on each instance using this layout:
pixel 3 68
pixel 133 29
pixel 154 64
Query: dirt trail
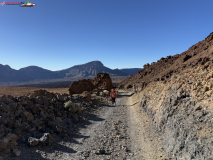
pixel 120 132
pixel 145 142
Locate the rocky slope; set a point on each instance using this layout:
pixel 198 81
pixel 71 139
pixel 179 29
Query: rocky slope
pixel 41 118
pixel 182 111
pixel 179 101
pixel 199 53
pixel 31 73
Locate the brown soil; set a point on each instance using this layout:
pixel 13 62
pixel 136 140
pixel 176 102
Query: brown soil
pixel 20 91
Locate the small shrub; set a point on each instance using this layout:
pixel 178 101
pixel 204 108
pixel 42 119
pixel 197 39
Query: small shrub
pixel 73 107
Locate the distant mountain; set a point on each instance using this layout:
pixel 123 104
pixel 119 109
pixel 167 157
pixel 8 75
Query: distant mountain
pixel 7 74
pixel 34 72
pixel 90 69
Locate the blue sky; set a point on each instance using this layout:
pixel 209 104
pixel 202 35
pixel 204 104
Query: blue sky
pixel 58 34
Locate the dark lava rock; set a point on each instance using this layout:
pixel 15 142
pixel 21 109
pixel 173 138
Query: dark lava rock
pixel 46 139
pixel 33 141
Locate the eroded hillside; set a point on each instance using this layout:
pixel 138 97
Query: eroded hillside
pixel 181 110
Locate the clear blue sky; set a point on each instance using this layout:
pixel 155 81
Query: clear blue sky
pixel 58 34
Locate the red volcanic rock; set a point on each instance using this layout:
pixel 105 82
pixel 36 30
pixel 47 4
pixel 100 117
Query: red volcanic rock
pixel 78 87
pixel 42 92
pixel 102 81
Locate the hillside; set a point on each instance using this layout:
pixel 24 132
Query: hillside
pixel 176 94
pixel 161 70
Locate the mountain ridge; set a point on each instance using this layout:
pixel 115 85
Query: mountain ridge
pixel 8 74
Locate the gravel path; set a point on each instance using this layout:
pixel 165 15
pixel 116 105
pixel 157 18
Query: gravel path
pixel 117 132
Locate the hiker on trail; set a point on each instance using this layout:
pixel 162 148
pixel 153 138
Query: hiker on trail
pixel 113 95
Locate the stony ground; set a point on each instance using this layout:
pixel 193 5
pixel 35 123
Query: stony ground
pixel 114 132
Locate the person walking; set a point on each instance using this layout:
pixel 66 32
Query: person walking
pixel 113 96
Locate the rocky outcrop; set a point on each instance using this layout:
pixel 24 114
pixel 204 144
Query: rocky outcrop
pixel 102 82
pixel 46 139
pixel 78 87
pixel 182 112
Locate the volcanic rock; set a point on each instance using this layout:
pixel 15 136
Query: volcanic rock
pixel 33 141
pixel 103 81
pixel 78 87
pixel 46 139
pixel 4 107
pixel 42 92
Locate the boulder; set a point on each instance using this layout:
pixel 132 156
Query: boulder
pixel 44 114
pixel 33 141
pixel 78 87
pixel 102 81
pixel 12 137
pixel 86 96
pixel 46 139
pixel 42 92
pixel 4 107
pixel 36 108
pixel 56 128
pixel 29 116
pixel 4 142
pixel 37 122
pixel 61 98
pixel 6 98
pixel 18 153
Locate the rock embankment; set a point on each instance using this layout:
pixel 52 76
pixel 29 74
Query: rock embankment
pixel 36 118
pixel 182 111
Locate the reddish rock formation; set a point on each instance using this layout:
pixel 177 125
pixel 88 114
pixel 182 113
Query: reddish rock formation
pixel 102 81
pixel 42 92
pixel 78 87
pixel 162 70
